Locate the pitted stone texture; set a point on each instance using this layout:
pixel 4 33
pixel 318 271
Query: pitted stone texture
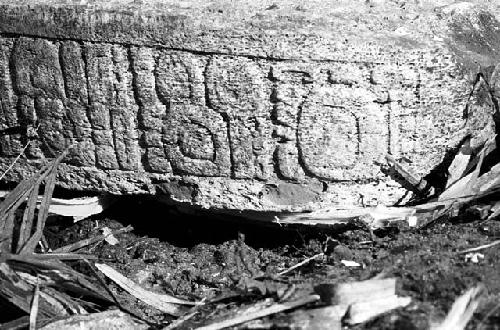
pixel 251 105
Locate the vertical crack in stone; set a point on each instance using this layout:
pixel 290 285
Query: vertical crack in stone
pixel 137 101
pixel 63 71
pixel 300 153
pixel 139 119
pixel 88 114
pixel 113 109
pixel 160 95
pixel 273 100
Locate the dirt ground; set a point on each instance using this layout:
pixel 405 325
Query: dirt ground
pixel 231 263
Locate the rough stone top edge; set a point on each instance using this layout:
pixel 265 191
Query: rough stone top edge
pixel 280 29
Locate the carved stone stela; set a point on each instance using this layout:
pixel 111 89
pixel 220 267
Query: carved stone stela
pixel 247 106
pixel 162 111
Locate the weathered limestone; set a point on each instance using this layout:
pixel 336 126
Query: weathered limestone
pixel 264 105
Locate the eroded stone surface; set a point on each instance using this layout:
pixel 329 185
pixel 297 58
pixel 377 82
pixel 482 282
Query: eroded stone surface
pixel 231 108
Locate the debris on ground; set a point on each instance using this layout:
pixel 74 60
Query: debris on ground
pixel 360 301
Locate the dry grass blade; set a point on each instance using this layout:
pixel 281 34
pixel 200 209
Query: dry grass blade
pixel 59 290
pixel 12 289
pixel 462 310
pixel 17 197
pixel 15 290
pixel 64 290
pixel 32 261
pixel 66 278
pixel 48 256
pixel 51 294
pixel 20 192
pixel 34 307
pixel 28 217
pixel 42 212
pixel 9 206
pixel 163 302
pixel 8 230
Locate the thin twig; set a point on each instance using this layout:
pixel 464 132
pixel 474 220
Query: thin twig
pixel 303 262
pixel 91 240
pixel 481 247
pixel 15 160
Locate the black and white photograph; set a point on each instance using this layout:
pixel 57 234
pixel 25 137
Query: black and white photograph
pixel 249 164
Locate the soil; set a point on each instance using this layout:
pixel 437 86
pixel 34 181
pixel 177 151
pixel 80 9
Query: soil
pixel 231 263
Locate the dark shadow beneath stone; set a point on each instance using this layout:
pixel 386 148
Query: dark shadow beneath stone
pixel 193 226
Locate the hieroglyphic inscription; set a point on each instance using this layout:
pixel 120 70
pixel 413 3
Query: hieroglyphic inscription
pixel 151 110
pixel 352 131
pixel 112 108
pixel 76 92
pixel 194 135
pixel 235 89
pixel 292 87
pixel 164 111
pixel 38 82
pixel 334 121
